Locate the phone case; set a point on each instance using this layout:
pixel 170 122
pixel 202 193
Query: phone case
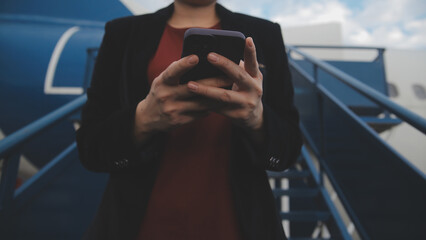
pixel 203 41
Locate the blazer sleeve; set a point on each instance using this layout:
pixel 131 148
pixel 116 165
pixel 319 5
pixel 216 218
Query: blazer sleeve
pixel 104 139
pixel 281 117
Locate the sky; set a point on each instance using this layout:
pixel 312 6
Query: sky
pixel 386 23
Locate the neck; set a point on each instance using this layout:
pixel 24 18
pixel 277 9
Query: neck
pixel 188 15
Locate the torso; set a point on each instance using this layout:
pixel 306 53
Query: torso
pixel 191 198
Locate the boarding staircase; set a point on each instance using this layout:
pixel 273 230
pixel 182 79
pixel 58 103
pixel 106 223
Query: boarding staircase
pixel 347 183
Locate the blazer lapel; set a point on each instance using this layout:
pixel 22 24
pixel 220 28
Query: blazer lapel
pixel 228 20
pixel 143 42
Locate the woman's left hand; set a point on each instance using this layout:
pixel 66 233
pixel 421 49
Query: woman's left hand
pixel 242 104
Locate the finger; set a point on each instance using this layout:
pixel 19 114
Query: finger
pixel 219 82
pixel 218 94
pixel 191 116
pixel 192 106
pixel 180 92
pixel 241 64
pixel 232 70
pixel 250 60
pixel 175 70
pixel 184 119
pixel 194 115
pixel 235 87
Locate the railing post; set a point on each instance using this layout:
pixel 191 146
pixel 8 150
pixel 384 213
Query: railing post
pixel 321 123
pixel 278 199
pixel 381 60
pixel 289 53
pixel 278 181
pixel 8 181
pixel 316 74
pixel 89 67
pixel 10 154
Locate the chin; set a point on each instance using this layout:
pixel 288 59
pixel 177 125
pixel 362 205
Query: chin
pixel 197 2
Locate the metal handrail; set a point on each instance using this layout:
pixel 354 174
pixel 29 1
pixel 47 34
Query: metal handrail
pixel 338 47
pixel 413 119
pixel 326 196
pixel 18 138
pixel 377 97
pixel 10 146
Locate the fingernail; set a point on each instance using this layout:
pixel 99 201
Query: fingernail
pixel 192 86
pixel 192 60
pixel 250 42
pixel 213 57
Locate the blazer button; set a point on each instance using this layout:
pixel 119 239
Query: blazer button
pixel 277 161
pixel 273 162
pixel 121 163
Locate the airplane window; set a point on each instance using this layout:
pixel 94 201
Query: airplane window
pixel 419 91
pixel 392 90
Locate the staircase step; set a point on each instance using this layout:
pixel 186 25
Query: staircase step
pixel 293 174
pixel 309 193
pixel 305 216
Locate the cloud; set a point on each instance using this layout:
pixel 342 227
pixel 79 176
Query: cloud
pixel 392 23
pixel 144 5
pixel 315 13
pixel 389 12
pixel 388 23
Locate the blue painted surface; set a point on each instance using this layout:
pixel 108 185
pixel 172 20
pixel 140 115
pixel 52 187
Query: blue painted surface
pixel 60 200
pixel 14 142
pixel 99 10
pixel 374 95
pixel 29 32
pixel 63 209
pixel 26 51
pixel 383 193
pixel 369 73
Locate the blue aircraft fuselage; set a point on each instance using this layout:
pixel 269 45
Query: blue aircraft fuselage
pixel 43 59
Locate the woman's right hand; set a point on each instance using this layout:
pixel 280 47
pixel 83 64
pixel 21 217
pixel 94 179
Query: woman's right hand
pixel 170 104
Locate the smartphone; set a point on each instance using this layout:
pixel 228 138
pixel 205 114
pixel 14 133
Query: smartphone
pixel 201 42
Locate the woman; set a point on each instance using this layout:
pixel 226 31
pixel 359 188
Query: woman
pixel 188 161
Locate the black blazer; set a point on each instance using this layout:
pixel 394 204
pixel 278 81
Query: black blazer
pixel 119 82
